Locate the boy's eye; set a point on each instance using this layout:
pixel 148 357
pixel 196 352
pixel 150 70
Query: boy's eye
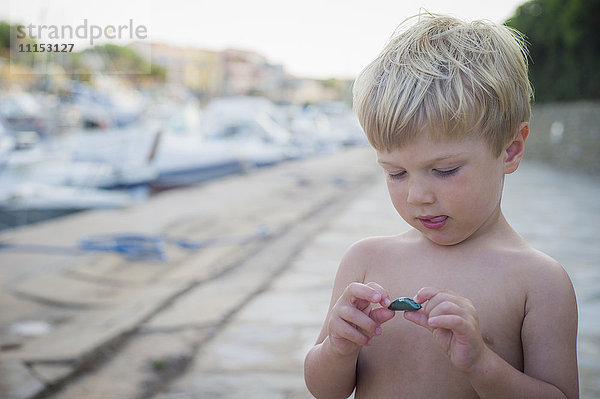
pixel 396 176
pixel 446 172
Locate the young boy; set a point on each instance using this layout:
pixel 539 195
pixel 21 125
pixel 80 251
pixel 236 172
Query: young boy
pixel 446 107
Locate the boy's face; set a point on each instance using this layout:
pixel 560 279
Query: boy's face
pixel 449 190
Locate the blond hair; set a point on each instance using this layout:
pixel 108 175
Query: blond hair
pixel 448 76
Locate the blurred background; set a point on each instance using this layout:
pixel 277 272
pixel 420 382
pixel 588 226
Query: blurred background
pixel 159 155
pixel 189 91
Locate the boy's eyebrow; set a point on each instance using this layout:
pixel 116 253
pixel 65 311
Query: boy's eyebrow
pixel 431 161
pixel 379 161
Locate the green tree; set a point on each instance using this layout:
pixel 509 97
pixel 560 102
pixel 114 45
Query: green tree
pixel 4 35
pixel 564 47
pixel 125 60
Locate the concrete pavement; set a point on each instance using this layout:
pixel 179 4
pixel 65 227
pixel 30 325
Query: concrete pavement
pixel 235 321
pixel 64 313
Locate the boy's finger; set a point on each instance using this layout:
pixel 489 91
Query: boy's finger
pixel 445 308
pixel 381 315
pixel 449 322
pixel 434 296
pixel 447 302
pixel 357 291
pixel 419 318
pixel 426 293
pixel 358 319
pixel 348 332
pixel 385 297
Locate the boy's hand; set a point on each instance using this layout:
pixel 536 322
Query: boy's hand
pixel 454 323
pixel 353 322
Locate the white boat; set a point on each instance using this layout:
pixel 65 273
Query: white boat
pixel 181 153
pixel 44 181
pixel 22 111
pixel 252 127
pixel 125 151
pixel 311 130
pixel 182 160
pixel 344 123
pixel 325 127
pixel 30 202
pixel 7 143
pixel 40 196
pixel 107 107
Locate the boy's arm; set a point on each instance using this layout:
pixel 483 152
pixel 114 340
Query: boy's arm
pixel 329 375
pixel 330 366
pixel 548 335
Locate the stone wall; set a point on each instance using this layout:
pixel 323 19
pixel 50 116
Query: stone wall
pixel 566 135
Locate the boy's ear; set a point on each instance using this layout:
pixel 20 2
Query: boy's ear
pixel 513 152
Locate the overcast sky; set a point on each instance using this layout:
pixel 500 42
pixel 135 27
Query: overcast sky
pixel 313 38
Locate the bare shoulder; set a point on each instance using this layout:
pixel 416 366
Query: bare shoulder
pixel 550 288
pixel 542 281
pixel 370 252
pixel 543 273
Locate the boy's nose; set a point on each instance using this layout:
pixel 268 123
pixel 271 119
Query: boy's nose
pixel 419 193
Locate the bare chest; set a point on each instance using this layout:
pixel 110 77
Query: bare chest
pixel 406 361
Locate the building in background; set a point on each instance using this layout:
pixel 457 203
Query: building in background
pixel 234 72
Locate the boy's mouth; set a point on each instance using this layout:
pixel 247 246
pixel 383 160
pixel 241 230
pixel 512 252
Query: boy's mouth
pixel 433 222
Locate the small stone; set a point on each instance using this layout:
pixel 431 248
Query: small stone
pixel 404 304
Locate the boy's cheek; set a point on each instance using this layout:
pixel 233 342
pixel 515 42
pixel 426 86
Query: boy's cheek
pixel 398 201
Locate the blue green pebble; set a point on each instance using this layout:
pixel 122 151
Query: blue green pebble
pixel 404 304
